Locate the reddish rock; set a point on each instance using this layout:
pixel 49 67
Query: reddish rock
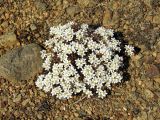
pixel 152 71
pixel 158 58
pixel 148 59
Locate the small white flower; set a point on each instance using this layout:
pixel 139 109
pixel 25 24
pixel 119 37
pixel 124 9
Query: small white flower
pixel 110 32
pixel 43 54
pixel 92 45
pixel 87 70
pixel 47 63
pixel 47 88
pixel 129 50
pixel 101 31
pixel 107 55
pixel 67 49
pixel 81 50
pixel 115 77
pixel 101 93
pixel 63 56
pixel 79 34
pixel 93 59
pixel 84 27
pixel 115 63
pixel 56 90
pixel 80 62
pixel 100 71
pixel 114 44
pixel 49 43
pixel 79 87
pixel 88 93
pixel 39 82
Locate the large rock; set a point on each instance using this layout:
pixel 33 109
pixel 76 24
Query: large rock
pixel 8 40
pixel 21 63
pixel 152 71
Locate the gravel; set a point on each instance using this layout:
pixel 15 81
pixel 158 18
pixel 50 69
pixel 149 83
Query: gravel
pixel 29 21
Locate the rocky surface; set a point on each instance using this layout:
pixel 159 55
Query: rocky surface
pixel 136 99
pixel 21 63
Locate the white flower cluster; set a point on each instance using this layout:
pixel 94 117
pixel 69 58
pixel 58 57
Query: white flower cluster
pixel 78 60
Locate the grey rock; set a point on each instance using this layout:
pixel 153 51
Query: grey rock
pixel 40 5
pixel 21 63
pixel 128 104
pixel 82 113
pixel 135 95
pixel 33 27
pixel 73 10
pixel 136 111
pixel 8 40
pixel 45 106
